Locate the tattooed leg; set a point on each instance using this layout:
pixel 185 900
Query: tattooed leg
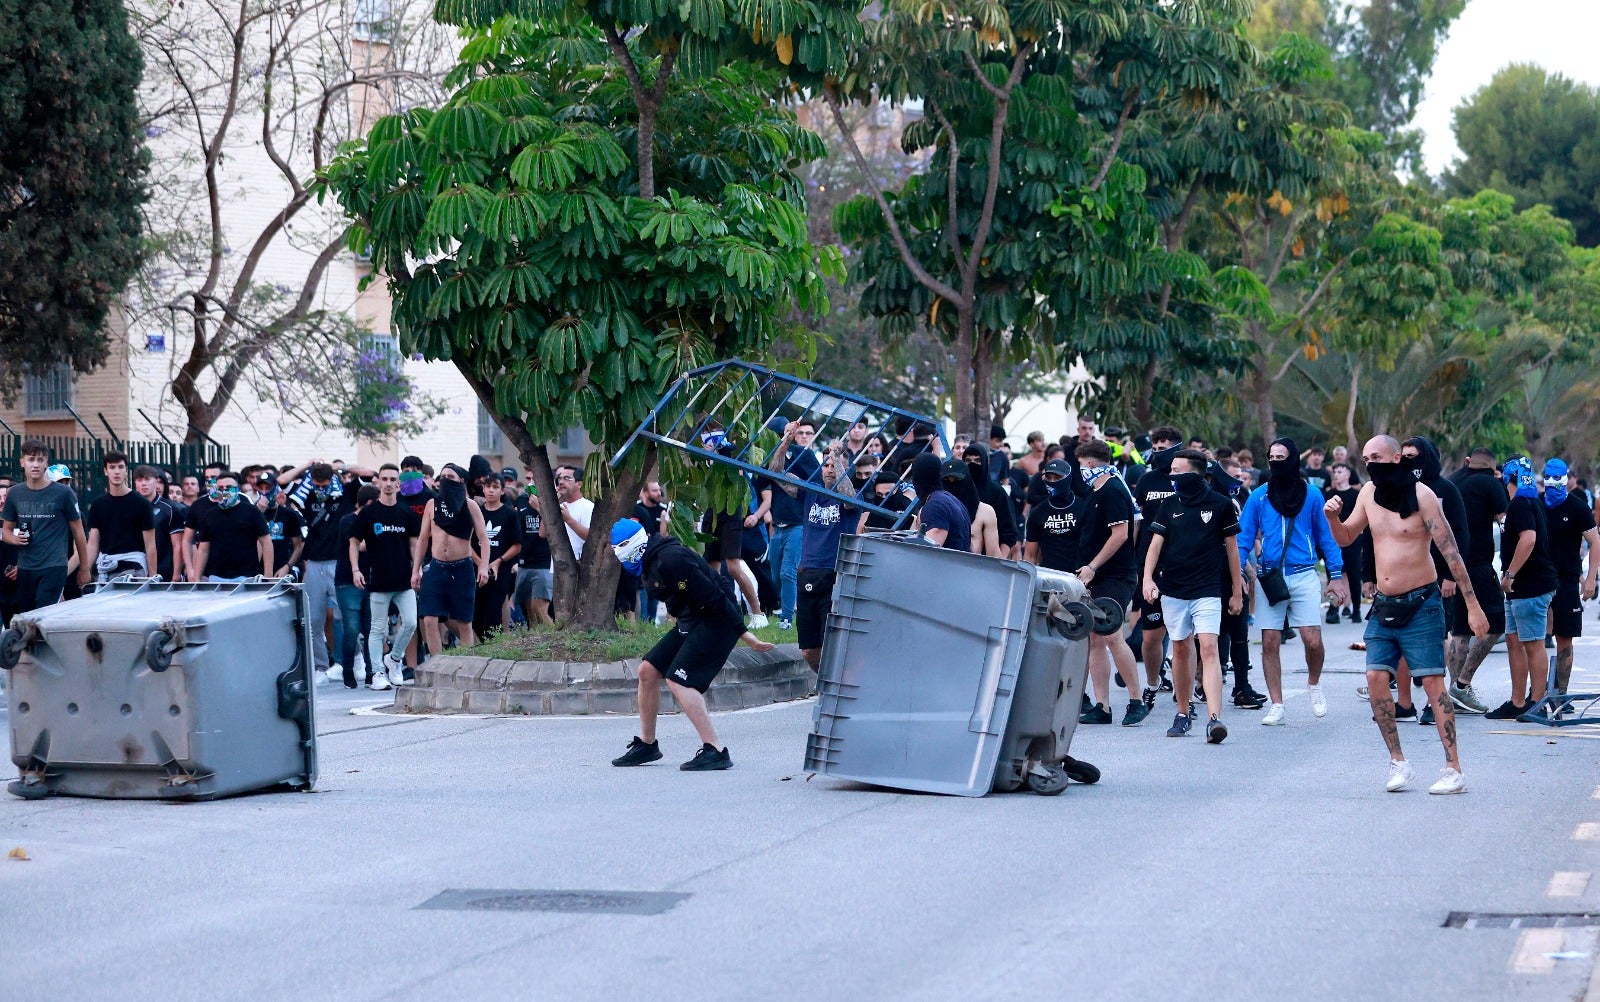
pixel 1455 658
pixel 1383 710
pixel 1444 718
pixel 1563 663
pixel 1477 650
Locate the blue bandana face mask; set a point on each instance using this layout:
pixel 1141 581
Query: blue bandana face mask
pixel 1093 473
pixel 227 497
pixel 1520 472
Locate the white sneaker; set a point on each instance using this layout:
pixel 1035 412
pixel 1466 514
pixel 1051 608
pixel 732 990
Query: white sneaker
pixel 1319 702
pixel 1274 717
pixel 1450 781
pixel 397 675
pixel 325 677
pixel 379 680
pixel 336 673
pixel 1400 776
pixel 758 621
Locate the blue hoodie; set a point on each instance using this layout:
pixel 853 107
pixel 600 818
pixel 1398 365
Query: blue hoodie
pixel 1308 536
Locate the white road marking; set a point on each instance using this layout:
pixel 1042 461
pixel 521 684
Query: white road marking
pixel 1529 956
pixel 1567 884
pixel 1589 831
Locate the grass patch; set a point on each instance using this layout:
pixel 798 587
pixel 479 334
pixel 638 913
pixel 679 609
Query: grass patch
pixel 548 643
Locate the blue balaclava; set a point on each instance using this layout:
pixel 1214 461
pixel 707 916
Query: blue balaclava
pixel 1555 482
pixel 1519 470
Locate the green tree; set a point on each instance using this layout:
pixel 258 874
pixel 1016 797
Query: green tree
pixel 71 180
pixel 570 265
pixel 1534 135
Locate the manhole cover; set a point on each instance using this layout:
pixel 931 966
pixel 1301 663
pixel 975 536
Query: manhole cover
pixel 580 902
pixel 1521 920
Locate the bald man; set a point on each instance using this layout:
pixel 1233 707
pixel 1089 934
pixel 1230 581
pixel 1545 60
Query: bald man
pixel 1407 619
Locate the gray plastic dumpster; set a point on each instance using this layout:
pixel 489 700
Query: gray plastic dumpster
pixel 144 690
pixel 948 672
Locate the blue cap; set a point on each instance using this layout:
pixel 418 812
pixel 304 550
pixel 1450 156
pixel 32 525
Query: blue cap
pixel 58 472
pixel 1555 469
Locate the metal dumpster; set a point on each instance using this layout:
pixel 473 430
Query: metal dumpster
pixel 948 672
pixel 145 690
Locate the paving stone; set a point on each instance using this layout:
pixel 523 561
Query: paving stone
pixel 618 701
pixel 480 701
pixel 549 672
pixel 579 671
pixel 567 703
pixel 495 674
pixel 447 700
pixel 524 675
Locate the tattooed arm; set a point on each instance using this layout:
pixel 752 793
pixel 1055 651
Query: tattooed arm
pixel 1445 541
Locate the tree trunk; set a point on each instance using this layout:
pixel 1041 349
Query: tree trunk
pixel 1350 411
pixel 966 409
pixel 1261 384
pixel 983 381
pixel 1144 407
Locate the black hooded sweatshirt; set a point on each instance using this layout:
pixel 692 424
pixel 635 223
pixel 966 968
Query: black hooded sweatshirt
pixel 683 580
pixel 1429 472
pixel 994 495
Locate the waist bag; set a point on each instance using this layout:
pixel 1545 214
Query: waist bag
pixel 1273 583
pixel 1395 611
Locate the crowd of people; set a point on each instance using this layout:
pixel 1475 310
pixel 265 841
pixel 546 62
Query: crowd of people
pixel 1196 545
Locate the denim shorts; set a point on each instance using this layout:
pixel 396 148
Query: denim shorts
pixel 449 590
pixel 1527 617
pixel 1420 642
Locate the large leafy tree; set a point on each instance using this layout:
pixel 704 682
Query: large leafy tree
pixel 1534 135
pixel 570 264
pixel 72 173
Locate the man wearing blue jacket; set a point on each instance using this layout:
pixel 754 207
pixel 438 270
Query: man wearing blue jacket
pixel 1292 532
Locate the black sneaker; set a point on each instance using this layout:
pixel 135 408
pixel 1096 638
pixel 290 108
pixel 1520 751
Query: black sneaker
pixel 1289 634
pixel 1506 711
pixel 639 753
pixel 1180 726
pixel 1332 617
pixel 707 759
pixel 1095 715
pixel 1216 731
pixel 1135 713
pixel 1248 699
pixel 1405 712
pixel 1355 615
pixel 1079 771
pixel 1199 690
pixel 1425 718
pixel 1149 700
pixel 1166 676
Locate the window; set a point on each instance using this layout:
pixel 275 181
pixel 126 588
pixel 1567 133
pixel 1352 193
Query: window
pixel 47 393
pixel 374 21
pixel 572 441
pixel 490 441
pixel 385 345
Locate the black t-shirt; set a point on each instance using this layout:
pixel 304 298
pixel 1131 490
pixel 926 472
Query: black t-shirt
pixel 1455 515
pixel 1484 497
pixel 1537 575
pixel 1567 522
pixel 121 522
pixel 322 517
pixel 165 519
pixel 341 567
pixel 787 511
pixel 198 513
pixel 232 533
pixel 1148 492
pixel 1195 538
pixel 284 526
pixel 1321 478
pixel 535 548
pixel 1110 506
pixel 503 526
pixel 1056 530
pixel 649 516
pixel 388 531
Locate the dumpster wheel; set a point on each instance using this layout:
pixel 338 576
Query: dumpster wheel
pixel 1047 781
pixel 1109 620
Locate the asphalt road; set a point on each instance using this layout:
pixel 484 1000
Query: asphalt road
pixel 1271 866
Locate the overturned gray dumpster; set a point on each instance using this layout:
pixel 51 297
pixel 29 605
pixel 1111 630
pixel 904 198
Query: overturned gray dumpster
pixel 947 672
pixel 144 690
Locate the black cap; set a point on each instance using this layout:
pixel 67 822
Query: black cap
pixel 1056 466
pixel 508 474
pixel 953 469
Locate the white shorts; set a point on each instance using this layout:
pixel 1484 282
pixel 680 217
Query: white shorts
pixel 1187 616
pixel 1302 608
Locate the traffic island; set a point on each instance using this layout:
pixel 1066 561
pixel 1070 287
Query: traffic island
pixel 467 684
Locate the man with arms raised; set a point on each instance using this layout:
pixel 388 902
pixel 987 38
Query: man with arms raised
pixel 1407 619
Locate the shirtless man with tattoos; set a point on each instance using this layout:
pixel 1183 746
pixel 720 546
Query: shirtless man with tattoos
pixel 1407 614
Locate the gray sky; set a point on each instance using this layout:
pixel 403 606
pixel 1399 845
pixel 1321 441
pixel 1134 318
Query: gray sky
pixel 1556 34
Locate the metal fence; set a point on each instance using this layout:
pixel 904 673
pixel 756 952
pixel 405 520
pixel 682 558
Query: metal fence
pixel 85 458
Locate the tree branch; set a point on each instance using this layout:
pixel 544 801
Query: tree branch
pixel 1116 140
pixel 952 216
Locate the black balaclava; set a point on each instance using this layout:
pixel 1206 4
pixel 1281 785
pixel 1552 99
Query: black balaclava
pixel 1223 482
pixel 1427 466
pixel 1286 489
pixel 1394 485
pixel 977 468
pixel 1190 486
pixel 958 481
pixel 1161 459
pixel 454 492
pixel 925 475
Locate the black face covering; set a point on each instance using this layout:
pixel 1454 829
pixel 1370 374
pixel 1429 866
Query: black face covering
pixel 861 481
pixel 1191 486
pixel 925 475
pixel 1286 489
pixel 1394 487
pixel 1426 466
pixel 1224 483
pixel 453 492
pixel 958 482
pixel 1161 459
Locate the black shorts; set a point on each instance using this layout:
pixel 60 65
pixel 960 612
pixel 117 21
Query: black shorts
pixel 693 652
pixel 815 599
pixel 727 538
pixel 1566 609
pixel 1353 556
pixel 1120 590
pixel 1487 586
